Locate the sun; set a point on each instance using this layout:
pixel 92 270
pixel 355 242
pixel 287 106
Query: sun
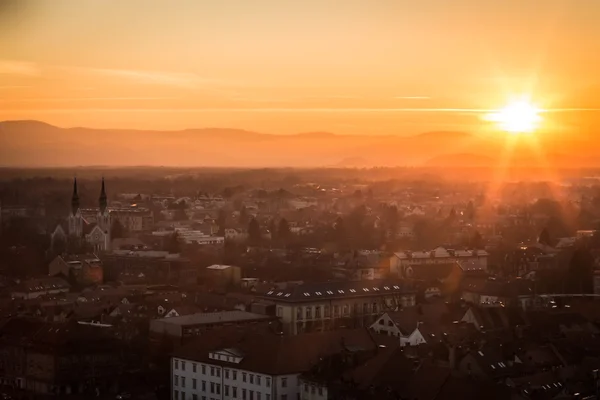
pixel 517 117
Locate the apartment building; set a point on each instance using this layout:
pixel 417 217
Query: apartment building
pixel 331 305
pixel 468 259
pixel 246 364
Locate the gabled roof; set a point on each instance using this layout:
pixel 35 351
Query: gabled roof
pixel 274 354
pixel 342 289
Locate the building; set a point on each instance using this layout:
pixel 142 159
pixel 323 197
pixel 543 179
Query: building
pixel 78 228
pixel 468 259
pixel 133 219
pixel 325 306
pixel 180 329
pixel 223 275
pixel 238 364
pixel 33 288
pixel 148 266
pixel 83 269
pixel 59 359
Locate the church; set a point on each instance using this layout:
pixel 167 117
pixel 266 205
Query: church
pixel 77 227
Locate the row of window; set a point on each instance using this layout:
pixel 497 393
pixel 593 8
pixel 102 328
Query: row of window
pixel 246 395
pixel 344 310
pixel 313 389
pixel 216 372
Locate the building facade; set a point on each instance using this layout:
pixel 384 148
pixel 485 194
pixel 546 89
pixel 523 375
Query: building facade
pixel 331 305
pixel 468 259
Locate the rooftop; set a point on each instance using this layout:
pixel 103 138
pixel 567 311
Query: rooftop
pixel 214 318
pixel 342 289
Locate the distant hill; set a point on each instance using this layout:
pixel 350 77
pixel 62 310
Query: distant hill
pixel 37 144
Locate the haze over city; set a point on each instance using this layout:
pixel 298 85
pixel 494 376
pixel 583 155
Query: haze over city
pixel 299 199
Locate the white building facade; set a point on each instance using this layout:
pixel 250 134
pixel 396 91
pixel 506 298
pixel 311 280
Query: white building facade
pixel 223 380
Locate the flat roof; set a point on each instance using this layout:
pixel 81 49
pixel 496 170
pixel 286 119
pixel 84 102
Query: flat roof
pixel 213 318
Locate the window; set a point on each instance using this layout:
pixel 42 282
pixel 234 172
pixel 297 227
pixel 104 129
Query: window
pixel 218 372
pixel 194 397
pixel 326 312
pixel 268 382
pixel 390 323
pixel 318 312
pixel 365 308
pixel 312 389
pixel 234 392
pixel 226 390
pixel 251 394
pixel 204 386
pixel 284 397
pixel 203 369
pixel 234 375
pixel 243 394
pixel 283 382
pixel 299 313
pixel 267 397
pixel 175 395
pixel 258 379
pixel 212 371
pixel 183 365
pixel 226 374
pixel 258 396
pixel 251 378
pixel 346 309
pixel 183 381
pixel 320 391
pixel 374 307
pixel 244 377
pixel 218 387
pixel 308 312
pixel 176 364
pixel 212 387
pixel 194 382
pixel 194 367
pixel 381 321
pixel 176 380
pixel 305 388
pixel 336 311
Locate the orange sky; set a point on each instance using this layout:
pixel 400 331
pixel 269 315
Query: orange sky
pixel 383 66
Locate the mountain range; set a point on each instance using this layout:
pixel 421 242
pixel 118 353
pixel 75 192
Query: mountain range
pixel 38 144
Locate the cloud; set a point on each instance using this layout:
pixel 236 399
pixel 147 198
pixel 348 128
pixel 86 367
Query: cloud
pixel 178 79
pixel 60 99
pixel 11 67
pixel 412 97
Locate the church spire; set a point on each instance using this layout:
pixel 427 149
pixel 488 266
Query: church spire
pixel 102 200
pixel 75 198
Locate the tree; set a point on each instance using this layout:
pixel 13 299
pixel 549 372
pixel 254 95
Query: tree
pixel 173 246
pixel 470 211
pixel 581 271
pixel 273 229
pixel 477 241
pixel 254 235
pixel 222 222
pixel 117 230
pixel 243 216
pixel 180 215
pixel 544 238
pixel 283 232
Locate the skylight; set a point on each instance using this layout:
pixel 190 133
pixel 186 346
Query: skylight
pixel 318 293
pixel 270 292
pixel 352 290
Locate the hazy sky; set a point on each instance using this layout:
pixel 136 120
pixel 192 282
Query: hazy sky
pixel 372 66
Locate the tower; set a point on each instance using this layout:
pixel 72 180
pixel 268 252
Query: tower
pixel 103 218
pixel 75 219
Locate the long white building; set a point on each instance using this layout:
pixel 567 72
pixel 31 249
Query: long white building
pixel 253 365
pixel 468 259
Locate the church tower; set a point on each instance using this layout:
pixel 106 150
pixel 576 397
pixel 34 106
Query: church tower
pixel 103 217
pixel 75 219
